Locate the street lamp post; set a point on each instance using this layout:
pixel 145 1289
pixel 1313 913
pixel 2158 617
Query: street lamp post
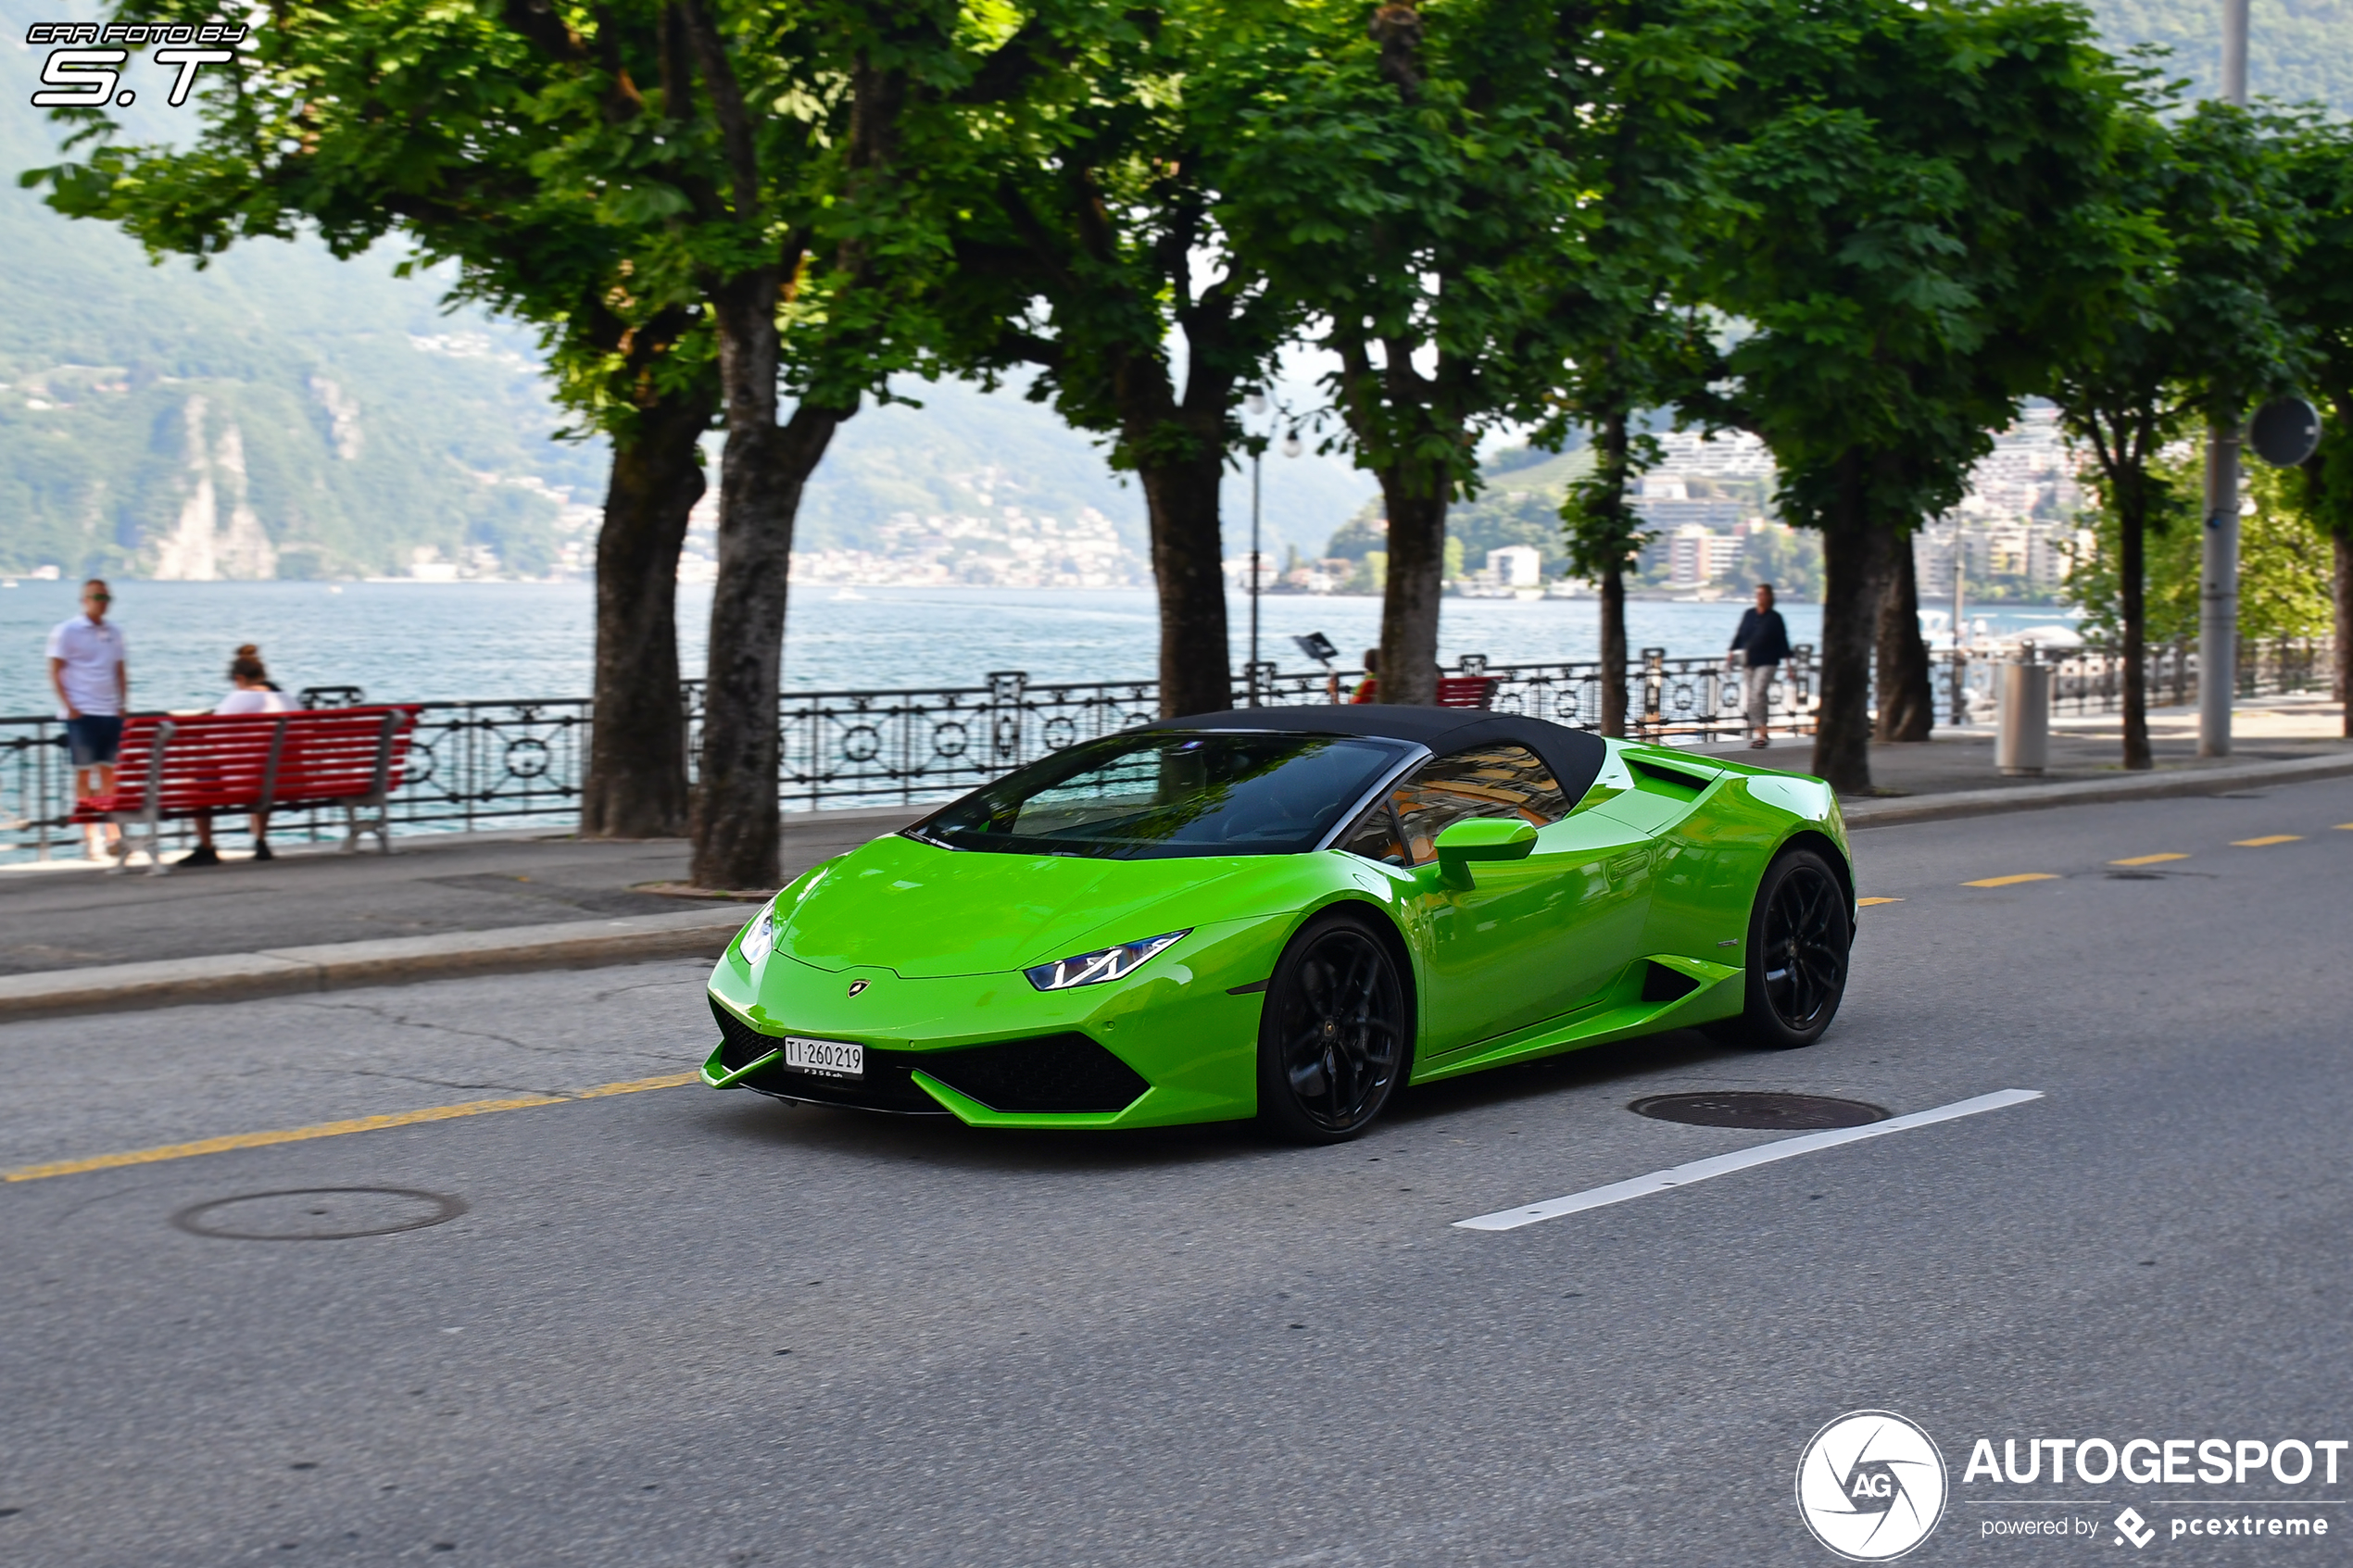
pixel 1255 402
pixel 2218 598
pixel 1257 405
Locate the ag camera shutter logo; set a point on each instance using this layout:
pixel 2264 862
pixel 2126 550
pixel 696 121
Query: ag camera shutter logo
pixel 1871 1485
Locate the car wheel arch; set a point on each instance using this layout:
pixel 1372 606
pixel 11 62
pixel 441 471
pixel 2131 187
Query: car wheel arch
pixel 1383 925
pixel 1829 849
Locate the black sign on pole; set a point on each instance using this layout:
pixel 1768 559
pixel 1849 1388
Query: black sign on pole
pixel 2285 432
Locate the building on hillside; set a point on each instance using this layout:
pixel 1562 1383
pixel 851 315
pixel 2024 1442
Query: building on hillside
pixel 1012 549
pixel 1698 556
pixel 1516 566
pixel 1513 571
pixel 1998 560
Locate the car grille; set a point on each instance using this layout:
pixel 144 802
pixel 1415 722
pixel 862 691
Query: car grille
pixel 1063 1073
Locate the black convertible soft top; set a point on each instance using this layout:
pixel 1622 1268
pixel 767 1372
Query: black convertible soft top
pixel 1574 755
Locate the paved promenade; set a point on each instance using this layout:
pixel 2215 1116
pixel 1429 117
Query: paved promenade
pixel 455 903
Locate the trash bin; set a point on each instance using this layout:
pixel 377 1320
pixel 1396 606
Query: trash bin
pixel 2022 740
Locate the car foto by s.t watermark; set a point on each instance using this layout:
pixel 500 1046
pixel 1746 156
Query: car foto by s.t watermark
pixel 83 69
pixel 1872 1485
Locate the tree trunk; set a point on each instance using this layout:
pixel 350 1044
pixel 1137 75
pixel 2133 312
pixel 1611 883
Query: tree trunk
pixel 1614 652
pixel 1181 498
pixel 1609 500
pixel 2343 543
pixel 1907 695
pixel 1410 602
pixel 761 476
pixel 1852 552
pixel 2132 571
pixel 1180 465
pixel 636 782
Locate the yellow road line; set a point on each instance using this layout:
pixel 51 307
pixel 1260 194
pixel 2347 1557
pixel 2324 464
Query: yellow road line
pixel 2147 860
pixel 2261 842
pixel 1866 903
pixel 2345 827
pixel 334 1129
pixel 2010 881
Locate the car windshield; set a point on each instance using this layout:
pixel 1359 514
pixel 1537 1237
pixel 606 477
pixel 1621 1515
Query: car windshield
pixel 1158 794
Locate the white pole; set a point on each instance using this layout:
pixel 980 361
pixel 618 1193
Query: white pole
pixel 1255 459
pixel 2218 602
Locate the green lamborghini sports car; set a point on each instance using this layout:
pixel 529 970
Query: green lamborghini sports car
pixel 1290 913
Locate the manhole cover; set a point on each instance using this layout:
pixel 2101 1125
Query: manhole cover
pixel 319 1214
pixel 1744 1108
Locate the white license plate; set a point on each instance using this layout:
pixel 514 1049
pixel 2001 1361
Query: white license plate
pixel 829 1059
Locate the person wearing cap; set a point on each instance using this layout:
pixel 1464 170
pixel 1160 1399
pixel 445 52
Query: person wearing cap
pixel 88 667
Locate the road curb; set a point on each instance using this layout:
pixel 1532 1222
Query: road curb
pixel 336 966
pixel 1895 812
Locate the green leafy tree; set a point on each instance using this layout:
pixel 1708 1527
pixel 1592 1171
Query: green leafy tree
pixel 1636 335
pixel 2317 297
pixel 1919 239
pixel 437 122
pixel 814 254
pixel 1606 537
pixel 2286 587
pixel 2205 209
pixel 1413 182
pixel 1076 256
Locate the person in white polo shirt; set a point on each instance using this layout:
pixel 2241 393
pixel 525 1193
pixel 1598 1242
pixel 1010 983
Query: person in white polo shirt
pixel 93 678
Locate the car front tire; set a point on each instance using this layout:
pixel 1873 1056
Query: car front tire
pixel 1335 1038
pixel 1799 935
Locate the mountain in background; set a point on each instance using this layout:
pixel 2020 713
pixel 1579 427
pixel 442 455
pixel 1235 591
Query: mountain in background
pixel 282 414
pixel 2297 51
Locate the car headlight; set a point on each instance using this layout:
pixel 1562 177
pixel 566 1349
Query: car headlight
pixel 759 936
pixel 1104 963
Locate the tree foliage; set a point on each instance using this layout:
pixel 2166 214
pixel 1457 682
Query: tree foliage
pixel 2284 583
pixel 1921 230
pixel 1085 220
pixel 1413 179
pixel 2208 224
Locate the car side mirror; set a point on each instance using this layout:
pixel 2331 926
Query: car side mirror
pixel 1481 838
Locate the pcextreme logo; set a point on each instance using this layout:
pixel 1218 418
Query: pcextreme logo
pixel 1870 1485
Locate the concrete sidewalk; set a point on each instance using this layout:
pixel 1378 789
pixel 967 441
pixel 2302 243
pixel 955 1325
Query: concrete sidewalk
pixel 73 939
pixel 445 903
pixel 2083 748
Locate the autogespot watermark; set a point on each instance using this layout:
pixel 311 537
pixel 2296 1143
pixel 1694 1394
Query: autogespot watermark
pixel 84 66
pixel 1872 1485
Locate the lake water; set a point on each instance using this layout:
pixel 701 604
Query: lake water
pixel 508 640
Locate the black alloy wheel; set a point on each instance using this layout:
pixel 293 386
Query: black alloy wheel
pixel 1798 939
pixel 1333 1039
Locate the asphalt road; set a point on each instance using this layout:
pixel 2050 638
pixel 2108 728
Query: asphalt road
pixel 679 1327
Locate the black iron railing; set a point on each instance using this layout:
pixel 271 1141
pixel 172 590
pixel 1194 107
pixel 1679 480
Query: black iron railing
pixel 485 765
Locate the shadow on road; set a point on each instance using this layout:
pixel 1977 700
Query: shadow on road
pixel 943 1142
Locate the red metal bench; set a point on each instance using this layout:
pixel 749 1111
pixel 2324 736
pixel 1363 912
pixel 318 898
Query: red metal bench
pixel 1453 691
pixel 177 765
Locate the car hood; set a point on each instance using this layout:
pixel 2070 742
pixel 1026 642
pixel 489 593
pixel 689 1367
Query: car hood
pixel 924 912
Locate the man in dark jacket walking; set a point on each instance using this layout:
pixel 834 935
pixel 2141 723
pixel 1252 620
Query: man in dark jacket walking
pixel 1760 646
